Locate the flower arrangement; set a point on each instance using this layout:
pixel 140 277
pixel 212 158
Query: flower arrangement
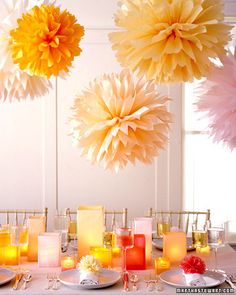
pixel 193 270
pixel 193 264
pixel 89 263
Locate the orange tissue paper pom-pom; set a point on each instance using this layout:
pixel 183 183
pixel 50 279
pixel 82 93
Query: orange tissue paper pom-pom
pixel 46 41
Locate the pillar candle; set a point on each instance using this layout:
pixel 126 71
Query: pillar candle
pixel 49 250
pixel 161 264
pixel 143 225
pixel 174 246
pixel 36 225
pixel 90 228
pixel 104 255
pixel 68 262
pixel 11 255
pixel 135 257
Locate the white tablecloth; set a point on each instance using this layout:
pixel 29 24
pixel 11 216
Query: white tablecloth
pixel 226 261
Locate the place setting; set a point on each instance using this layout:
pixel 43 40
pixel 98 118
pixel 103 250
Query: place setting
pixel 118 254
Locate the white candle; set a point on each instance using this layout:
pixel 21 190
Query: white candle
pixel 49 250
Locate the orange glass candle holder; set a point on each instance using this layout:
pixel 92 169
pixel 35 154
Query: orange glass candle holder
pixel 5 238
pixel 135 257
pixel 104 255
pixel 174 246
pixel 161 264
pixel 68 262
pixel 36 225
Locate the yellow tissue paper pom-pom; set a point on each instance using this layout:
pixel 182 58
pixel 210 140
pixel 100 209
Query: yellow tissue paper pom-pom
pixel 170 40
pixel 46 41
pixel 119 120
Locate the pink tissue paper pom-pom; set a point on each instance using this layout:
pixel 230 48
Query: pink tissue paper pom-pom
pixel 217 99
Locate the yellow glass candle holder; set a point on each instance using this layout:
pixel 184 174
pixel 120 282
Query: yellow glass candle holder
pixel 10 255
pixel 108 239
pixel 104 255
pixel 161 264
pixel 204 251
pixel 73 229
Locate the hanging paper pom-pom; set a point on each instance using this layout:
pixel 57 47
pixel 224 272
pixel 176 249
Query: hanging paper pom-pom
pixel 46 41
pixel 170 40
pixel 217 98
pixel 117 121
pixel 15 84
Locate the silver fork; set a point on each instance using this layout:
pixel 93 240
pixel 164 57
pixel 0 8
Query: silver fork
pixel 229 281
pixel 232 278
pixel 50 279
pixel 55 285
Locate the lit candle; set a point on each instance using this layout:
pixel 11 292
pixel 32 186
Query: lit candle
pixel 135 257
pixel 144 226
pixel 204 251
pixel 24 239
pixel 11 255
pixel 90 228
pixel 49 249
pixel 104 255
pixel 174 246
pixel 68 262
pixel 36 225
pixel 161 264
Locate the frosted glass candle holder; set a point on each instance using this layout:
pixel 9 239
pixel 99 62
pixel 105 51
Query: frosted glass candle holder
pixel 49 250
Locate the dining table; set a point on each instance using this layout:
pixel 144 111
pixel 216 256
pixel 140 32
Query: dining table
pixel 38 284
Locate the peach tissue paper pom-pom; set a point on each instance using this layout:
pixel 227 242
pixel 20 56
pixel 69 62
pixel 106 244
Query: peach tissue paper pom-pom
pixel 170 41
pixel 117 120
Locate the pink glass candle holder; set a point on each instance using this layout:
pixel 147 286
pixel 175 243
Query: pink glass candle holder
pixel 143 225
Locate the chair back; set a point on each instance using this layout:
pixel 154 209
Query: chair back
pixel 20 216
pixel 182 219
pixel 111 215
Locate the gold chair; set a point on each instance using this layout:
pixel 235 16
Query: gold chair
pixel 182 218
pixel 23 214
pixel 113 214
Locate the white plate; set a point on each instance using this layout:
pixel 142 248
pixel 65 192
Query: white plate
pixel 175 278
pixel 6 275
pixel 107 277
pixel 158 243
